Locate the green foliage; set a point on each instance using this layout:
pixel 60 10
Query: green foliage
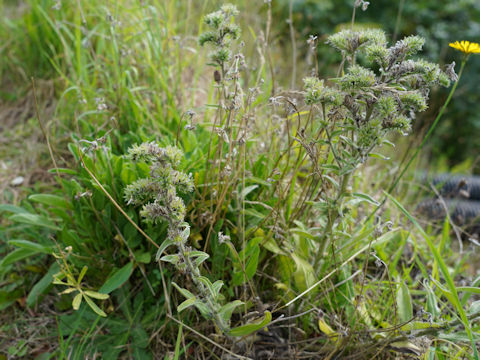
pixel 257 205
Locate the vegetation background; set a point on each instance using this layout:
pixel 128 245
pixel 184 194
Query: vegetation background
pixel 81 82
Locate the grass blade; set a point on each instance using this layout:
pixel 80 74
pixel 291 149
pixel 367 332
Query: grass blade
pixel 443 268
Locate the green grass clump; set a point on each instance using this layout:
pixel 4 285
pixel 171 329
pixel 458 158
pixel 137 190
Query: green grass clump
pixel 200 209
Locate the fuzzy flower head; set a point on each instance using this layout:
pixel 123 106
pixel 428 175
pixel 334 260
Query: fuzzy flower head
pixel 223 31
pixel 350 41
pixel 466 47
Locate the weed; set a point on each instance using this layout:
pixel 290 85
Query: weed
pixel 249 206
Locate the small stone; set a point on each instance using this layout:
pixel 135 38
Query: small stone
pixel 17 181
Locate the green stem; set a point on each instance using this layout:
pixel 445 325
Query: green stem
pixel 210 302
pixel 332 218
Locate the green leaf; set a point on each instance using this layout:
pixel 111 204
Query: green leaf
pixel 302 233
pixel 226 310
pixel 35 220
pixel 177 344
pixel 249 255
pixel 254 213
pixel 203 309
pixel 247 191
pixel 469 289
pixel 365 197
pixel 139 353
pixel 404 303
pixel 139 338
pixel 35 247
pixel 94 307
pixel 187 303
pixel 252 263
pixel 304 275
pixel 96 295
pixel 406 347
pixel 13 209
pixel 378 156
pixel 39 288
pixel 173 259
pixel 199 255
pixel 183 291
pixel 77 300
pixel 217 285
pixel 247 329
pixel 8 298
pixel 205 281
pixel 475 283
pixel 258 181
pixel 272 246
pixel 82 274
pixel 68 291
pixel 432 304
pixel 127 175
pixel 57 279
pixel 117 279
pixel 52 200
pixel 419 325
pixel 162 248
pixel 144 258
pixel 474 308
pixel 62 171
pixel 16 255
pixel 330 167
pixel 458 337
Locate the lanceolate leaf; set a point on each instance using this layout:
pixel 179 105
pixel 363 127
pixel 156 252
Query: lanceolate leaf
pixel 404 303
pixel 52 200
pixel 35 220
pixel 217 286
pixel 173 259
pixel 96 295
pixel 247 329
pixel 30 245
pixel 205 281
pixel 183 291
pixel 117 279
pixel 16 255
pixel 162 248
pixel 227 309
pixel 77 300
pixel 432 304
pixel 82 274
pixel 187 303
pixel 94 307
pixel 199 256
pixel 366 198
pixel 42 285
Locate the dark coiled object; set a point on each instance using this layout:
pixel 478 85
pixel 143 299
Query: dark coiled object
pixel 460 196
pixel 462 212
pixel 457 186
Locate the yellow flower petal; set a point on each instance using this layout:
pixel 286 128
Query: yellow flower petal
pixel 466 47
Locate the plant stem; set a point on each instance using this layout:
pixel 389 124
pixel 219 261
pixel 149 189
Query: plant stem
pixel 210 302
pixel 326 237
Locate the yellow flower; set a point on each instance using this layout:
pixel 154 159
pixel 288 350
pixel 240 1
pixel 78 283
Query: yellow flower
pixel 466 47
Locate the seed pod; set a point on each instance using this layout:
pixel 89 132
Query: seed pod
pixel 216 76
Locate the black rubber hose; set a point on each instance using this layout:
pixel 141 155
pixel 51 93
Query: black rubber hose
pixel 457 186
pixel 462 212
